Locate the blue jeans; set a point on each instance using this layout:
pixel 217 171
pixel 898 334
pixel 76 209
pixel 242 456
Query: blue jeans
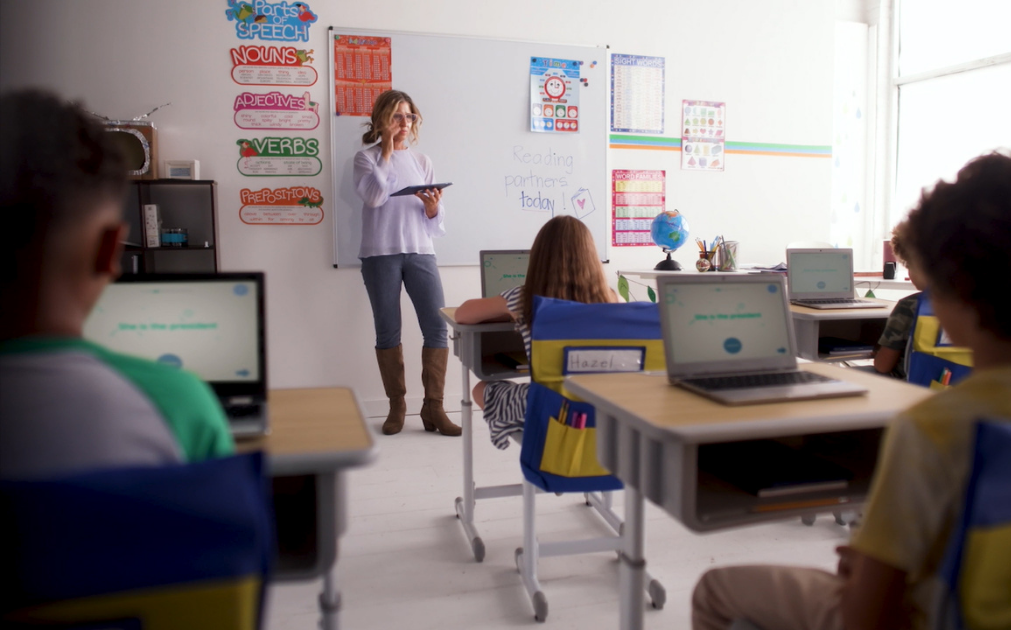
pixel 383 276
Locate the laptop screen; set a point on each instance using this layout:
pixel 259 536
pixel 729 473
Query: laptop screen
pixel 209 324
pixel 503 270
pixel 820 273
pixel 724 325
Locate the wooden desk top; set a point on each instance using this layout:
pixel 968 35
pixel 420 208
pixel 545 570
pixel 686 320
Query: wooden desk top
pixel 804 312
pixel 656 407
pixel 314 430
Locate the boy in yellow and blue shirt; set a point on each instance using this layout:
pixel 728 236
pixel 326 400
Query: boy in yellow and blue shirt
pixel 958 237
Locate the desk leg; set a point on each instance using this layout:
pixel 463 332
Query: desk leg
pixel 329 602
pixel 465 504
pixel 632 572
pixel 331 504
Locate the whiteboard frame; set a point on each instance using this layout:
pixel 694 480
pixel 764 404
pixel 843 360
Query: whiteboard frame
pixel 605 49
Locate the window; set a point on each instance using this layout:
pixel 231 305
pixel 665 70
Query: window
pixel 951 84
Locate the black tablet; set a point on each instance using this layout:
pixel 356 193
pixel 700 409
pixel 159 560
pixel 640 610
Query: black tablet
pixel 410 190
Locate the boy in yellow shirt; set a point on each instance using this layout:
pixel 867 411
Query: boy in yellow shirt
pixel 959 239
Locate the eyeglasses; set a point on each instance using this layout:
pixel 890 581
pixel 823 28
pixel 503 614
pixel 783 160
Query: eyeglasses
pixel 399 118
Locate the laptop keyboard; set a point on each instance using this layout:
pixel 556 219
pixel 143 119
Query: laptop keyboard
pixel 748 381
pixel 834 301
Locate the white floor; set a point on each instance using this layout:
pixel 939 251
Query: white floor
pixel 405 563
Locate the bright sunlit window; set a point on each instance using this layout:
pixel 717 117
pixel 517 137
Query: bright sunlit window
pixel 954 90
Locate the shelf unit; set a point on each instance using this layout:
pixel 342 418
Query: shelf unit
pixel 182 203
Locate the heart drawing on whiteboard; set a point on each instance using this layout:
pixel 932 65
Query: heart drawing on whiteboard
pixel 582 203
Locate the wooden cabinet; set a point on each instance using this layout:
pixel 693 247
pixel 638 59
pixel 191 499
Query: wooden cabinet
pixel 189 205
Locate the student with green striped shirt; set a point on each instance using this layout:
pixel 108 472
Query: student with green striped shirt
pixel 67 405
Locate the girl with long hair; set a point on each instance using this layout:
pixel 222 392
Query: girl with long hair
pixel 563 264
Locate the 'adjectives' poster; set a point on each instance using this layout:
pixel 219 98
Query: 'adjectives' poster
pixel 273 65
pixel 554 95
pixel 637 197
pixel 637 94
pixel 275 111
pixel 273 21
pixel 279 157
pixel 362 71
pixel 702 135
pixel 298 205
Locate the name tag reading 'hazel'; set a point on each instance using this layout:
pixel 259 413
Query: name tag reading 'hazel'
pixel 585 360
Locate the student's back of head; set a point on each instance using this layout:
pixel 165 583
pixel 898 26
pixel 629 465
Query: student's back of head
pixel 62 182
pixel 959 238
pixel 564 264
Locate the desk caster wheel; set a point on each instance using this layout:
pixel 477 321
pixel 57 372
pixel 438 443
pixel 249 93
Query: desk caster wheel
pixel 518 555
pixel 458 505
pixel 807 520
pixel 839 520
pixel 657 594
pixel 540 606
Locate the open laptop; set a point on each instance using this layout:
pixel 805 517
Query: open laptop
pixel 730 338
pixel 211 324
pixel 502 270
pixel 823 278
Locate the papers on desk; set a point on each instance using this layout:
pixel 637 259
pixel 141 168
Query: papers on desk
pixel 769 469
pixel 755 268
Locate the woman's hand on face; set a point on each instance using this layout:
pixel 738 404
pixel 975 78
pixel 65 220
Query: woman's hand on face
pixel 386 140
pixel 431 198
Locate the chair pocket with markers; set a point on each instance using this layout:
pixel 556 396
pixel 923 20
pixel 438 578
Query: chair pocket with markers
pixel 570 445
pixel 560 442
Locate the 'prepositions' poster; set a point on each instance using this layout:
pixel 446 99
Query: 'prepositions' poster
pixel 637 94
pixel 637 197
pixel 554 95
pixel 297 205
pixel 702 135
pixel 362 71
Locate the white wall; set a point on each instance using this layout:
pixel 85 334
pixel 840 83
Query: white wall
pixel 770 61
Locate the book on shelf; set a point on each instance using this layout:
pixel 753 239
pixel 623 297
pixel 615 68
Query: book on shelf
pixel 834 346
pixel 514 360
pixel 768 469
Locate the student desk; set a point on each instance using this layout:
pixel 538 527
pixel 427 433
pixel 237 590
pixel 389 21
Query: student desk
pixel 878 282
pixel 316 434
pixel 476 345
pixel 861 325
pixel 649 435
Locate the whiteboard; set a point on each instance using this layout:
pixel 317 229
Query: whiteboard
pixel 474 96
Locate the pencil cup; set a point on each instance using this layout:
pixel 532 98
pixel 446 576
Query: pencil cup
pixel 727 256
pixel 703 264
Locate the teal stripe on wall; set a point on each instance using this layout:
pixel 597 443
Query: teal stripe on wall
pixel 738 147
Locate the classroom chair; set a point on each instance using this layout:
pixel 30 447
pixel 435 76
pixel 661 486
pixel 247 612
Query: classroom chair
pixel 559 436
pixel 155 548
pixel 976 571
pixel 931 359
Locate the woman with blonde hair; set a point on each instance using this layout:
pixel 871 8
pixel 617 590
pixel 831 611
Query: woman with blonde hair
pixel 564 265
pixel 397 251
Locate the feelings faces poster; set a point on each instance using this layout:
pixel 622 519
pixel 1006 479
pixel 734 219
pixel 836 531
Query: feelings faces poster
pixel 703 127
pixel 554 95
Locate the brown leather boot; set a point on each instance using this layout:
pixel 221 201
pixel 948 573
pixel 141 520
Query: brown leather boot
pixel 433 376
pixel 391 367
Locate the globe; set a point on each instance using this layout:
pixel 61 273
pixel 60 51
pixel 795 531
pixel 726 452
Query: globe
pixel 669 231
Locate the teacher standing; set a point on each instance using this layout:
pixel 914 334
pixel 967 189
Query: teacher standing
pixel 397 250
